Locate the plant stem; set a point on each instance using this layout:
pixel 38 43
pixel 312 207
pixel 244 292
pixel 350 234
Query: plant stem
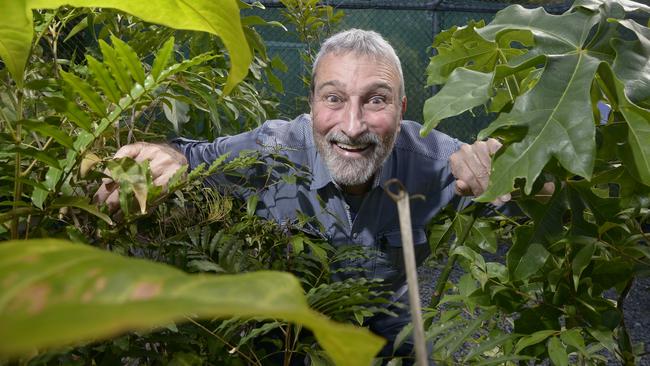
pixel 287 351
pixel 18 186
pixel 444 276
pixel 624 342
pixel 31 166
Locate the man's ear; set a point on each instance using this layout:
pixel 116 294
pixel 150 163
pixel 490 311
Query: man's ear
pixel 403 107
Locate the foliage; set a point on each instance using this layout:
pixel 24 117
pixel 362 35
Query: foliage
pixel 221 19
pixel 59 292
pixel 311 22
pixel 59 129
pixel 573 256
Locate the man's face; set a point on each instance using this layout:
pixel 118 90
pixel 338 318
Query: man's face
pixel 356 112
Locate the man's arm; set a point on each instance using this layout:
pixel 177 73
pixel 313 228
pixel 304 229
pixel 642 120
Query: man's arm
pixel 164 161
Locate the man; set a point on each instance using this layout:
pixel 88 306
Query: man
pixel 352 142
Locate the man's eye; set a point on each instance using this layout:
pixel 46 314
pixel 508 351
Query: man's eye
pixel 332 99
pixel 377 99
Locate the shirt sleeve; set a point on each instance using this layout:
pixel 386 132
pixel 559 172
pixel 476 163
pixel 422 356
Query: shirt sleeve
pixel 197 152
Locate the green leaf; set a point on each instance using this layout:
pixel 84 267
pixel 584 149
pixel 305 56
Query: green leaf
pixel 552 34
pixel 531 262
pixel 82 203
pixel 57 293
pixel 103 79
pixel 483 236
pixel 47 130
pixel 297 243
pixel 134 178
pixel 557 108
pixel 17 29
pixel 37 154
pixel 219 18
pixel 462 47
pixel 605 337
pixel 503 360
pixel 118 69
pixel 533 339
pixel 581 261
pixel 52 177
pixel 573 337
pixel 557 353
pixel 628 5
pixel 176 112
pixel 464 90
pixel 488 345
pixel 86 92
pixel 631 63
pixel 636 154
pixel 83 24
pixel 129 58
pixel 72 111
pixel 162 58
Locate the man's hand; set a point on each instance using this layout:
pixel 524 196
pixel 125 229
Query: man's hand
pixel 164 161
pixel 471 165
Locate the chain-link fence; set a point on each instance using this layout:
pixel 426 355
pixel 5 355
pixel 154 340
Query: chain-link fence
pixel 410 26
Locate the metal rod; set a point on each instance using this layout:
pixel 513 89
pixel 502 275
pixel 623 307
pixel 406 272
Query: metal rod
pixel 406 229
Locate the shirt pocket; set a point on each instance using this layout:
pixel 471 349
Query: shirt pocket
pixel 389 263
pixel 393 238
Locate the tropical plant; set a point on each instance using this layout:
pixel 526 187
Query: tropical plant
pixel 311 22
pixel 62 120
pixel 571 93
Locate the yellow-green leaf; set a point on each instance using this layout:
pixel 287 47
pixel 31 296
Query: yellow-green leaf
pixel 162 58
pixel 217 17
pixel 86 92
pixel 55 293
pixel 129 58
pixel 103 79
pixel 118 69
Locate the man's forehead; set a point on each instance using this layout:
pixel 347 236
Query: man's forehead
pixel 332 63
pixel 339 84
pixel 335 57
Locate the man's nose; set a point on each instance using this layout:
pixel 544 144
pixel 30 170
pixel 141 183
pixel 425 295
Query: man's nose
pixel 355 124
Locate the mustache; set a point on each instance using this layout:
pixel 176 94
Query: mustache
pixel 366 138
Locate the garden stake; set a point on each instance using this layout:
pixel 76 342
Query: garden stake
pixel 404 212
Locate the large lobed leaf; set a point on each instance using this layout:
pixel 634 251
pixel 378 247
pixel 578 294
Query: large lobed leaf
pixel 54 293
pixel 555 119
pixel 217 17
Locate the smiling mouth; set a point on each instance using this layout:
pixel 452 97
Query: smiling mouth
pixel 354 148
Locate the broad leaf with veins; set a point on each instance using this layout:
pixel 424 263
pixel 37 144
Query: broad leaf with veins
pixel 580 60
pixel 56 293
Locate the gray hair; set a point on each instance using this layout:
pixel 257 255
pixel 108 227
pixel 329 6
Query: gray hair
pixel 360 42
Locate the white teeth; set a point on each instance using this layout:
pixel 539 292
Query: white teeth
pixel 351 147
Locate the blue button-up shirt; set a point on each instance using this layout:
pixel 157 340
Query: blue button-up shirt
pixel 421 164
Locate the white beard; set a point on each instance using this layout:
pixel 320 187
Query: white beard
pixel 354 171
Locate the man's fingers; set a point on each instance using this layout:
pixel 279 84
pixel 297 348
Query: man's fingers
pixel 132 151
pixel 105 190
pixel 113 200
pixel 163 179
pixel 493 145
pixel 462 188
